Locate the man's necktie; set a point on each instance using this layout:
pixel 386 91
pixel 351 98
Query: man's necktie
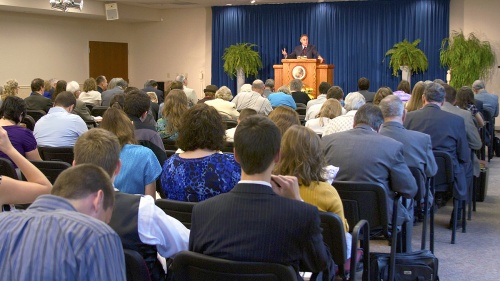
pixel 304 51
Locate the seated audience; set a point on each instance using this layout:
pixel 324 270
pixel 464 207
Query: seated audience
pixel 60 87
pixel 415 101
pixel 11 88
pixel 12 111
pixel 59 127
pixel 284 117
pixel 244 114
pixel 102 83
pixel 140 167
pixel 154 107
pixel 321 98
pixel 36 100
pixel 64 236
pixel 152 86
pixel 353 102
pixel 49 87
pixel 201 171
pixel 363 87
pixel 141 225
pixel 90 93
pixel 284 230
pixel 80 108
pixel 465 100
pixel 381 93
pixel 136 106
pixel 330 109
pixel 209 93
pixel 490 101
pixel 190 93
pixel 269 88
pixel 364 155
pixel 115 86
pixel 282 97
pixel 297 94
pixel 403 91
pixel 15 191
pixel 253 99
pixel 302 157
pixel 334 92
pixel 223 105
pixel 176 104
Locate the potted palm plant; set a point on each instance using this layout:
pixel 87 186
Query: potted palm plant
pixel 408 58
pixel 468 58
pixel 241 60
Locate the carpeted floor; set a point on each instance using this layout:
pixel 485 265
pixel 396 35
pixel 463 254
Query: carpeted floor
pixel 476 254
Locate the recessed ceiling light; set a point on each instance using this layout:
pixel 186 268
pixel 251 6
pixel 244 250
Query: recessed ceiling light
pixel 253 1
pixel 229 4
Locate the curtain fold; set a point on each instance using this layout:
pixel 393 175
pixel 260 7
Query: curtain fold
pixel 353 36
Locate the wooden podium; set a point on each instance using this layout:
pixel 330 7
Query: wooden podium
pixel 310 71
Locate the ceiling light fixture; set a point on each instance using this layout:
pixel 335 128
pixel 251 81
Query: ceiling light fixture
pixel 253 1
pixel 64 5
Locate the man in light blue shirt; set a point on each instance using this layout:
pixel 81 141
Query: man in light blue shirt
pixel 60 127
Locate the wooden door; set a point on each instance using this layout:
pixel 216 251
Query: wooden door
pixel 109 59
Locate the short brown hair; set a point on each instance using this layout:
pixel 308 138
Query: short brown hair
pixel 284 117
pixel 80 181
pixel 118 123
pixel 381 94
pixel 98 147
pixel 335 92
pixel 301 155
pixel 65 99
pixel 136 103
pixel 89 85
pixel 363 83
pixel 256 143
pixel 201 127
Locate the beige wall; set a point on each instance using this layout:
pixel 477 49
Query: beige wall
pixel 47 46
pixel 482 18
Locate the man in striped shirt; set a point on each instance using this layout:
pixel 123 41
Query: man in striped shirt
pixel 64 236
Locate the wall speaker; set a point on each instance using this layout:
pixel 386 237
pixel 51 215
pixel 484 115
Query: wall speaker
pixel 111 11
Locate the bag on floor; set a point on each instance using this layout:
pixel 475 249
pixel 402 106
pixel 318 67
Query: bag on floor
pixel 416 266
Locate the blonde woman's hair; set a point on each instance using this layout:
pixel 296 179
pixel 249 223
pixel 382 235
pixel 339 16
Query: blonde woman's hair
pixel 415 101
pixel 330 109
pixel 10 88
pixel 174 106
pixel 224 93
pixel 301 155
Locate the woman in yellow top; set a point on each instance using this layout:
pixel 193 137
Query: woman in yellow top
pixel 301 156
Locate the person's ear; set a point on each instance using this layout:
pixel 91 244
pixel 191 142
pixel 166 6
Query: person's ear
pixel 277 157
pixel 98 200
pixel 404 115
pixel 236 157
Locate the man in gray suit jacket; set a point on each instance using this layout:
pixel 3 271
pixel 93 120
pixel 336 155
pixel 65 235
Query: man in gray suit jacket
pixel 364 155
pixel 107 95
pixel 447 133
pixel 262 219
pixel 417 146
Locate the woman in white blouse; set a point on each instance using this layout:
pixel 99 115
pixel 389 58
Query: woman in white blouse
pixel 330 109
pixel 90 93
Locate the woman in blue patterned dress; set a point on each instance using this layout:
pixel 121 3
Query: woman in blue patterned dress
pixel 201 171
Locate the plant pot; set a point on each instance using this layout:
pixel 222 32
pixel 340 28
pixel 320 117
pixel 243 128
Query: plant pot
pixel 240 78
pixel 405 73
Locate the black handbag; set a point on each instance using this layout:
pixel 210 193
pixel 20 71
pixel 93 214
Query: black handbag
pixel 415 266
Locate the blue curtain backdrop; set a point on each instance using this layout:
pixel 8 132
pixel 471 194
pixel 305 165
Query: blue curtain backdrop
pixel 353 36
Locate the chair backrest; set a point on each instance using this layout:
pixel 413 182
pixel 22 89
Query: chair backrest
pixel 51 169
pixel 64 154
pixel 334 238
pixel 421 182
pixel 98 110
pixel 228 147
pixel 169 144
pixel 364 200
pixel 91 124
pixel 7 168
pixel 136 267
pixel 301 110
pixel 230 123
pixel 177 209
pixel 445 176
pixel 29 122
pixel 89 106
pixel 36 114
pixel 189 266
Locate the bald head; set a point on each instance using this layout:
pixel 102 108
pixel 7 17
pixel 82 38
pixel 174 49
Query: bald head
pixel 258 86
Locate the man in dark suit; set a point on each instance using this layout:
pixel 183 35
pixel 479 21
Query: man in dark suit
pixel 363 86
pixel 447 132
pixel 152 86
pixel 364 155
pixel 303 50
pixel 36 101
pixel 261 219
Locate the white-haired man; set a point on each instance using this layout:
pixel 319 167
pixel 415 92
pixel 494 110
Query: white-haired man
pixel 353 101
pixel 80 107
pixel 190 93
